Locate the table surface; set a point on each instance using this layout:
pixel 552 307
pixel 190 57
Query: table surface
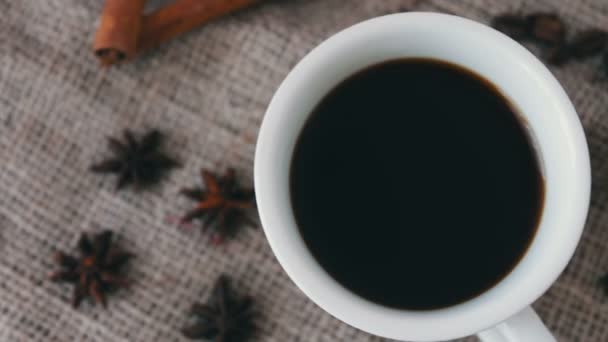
pixel 208 91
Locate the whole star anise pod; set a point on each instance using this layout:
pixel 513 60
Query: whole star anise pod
pixel 541 27
pixel 95 272
pixel 222 205
pixel 224 318
pixel 137 162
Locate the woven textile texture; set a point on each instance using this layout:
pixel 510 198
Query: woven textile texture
pixel 208 91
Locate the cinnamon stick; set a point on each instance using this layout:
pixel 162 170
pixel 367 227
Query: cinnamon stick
pixel 182 16
pixel 119 29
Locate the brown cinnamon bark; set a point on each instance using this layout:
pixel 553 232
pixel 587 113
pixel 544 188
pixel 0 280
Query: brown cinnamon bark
pixel 182 16
pixel 119 29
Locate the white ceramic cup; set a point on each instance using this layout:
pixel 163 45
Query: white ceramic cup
pixel 502 313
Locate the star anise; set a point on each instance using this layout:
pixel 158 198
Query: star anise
pixel 541 27
pixel 95 272
pixel 224 318
pixel 221 205
pixel 550 29
pixel 137 162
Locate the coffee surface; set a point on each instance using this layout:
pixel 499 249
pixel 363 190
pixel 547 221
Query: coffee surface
pixel 415 185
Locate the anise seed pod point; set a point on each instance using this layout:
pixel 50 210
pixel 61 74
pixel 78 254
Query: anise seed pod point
pixel 514 26
pixel 547 28
pixel 588 43
pixel 604 283
pixel 559 55
pixel 605 62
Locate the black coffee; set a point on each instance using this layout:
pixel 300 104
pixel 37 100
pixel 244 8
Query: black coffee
pixel 415 185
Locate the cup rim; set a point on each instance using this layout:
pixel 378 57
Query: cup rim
pixel 456 321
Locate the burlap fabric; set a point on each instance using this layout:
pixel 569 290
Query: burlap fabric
pixel 208 91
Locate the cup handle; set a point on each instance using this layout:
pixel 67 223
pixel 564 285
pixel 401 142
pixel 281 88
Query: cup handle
pixel 524 326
